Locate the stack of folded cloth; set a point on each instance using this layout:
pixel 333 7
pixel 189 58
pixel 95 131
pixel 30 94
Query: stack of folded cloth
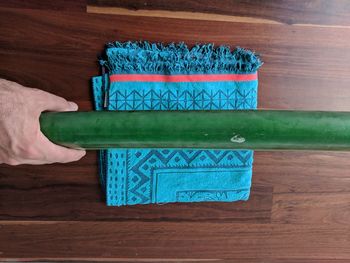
pixel 139 76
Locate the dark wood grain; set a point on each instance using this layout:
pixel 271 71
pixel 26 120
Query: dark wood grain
pixel 319 12
pixel 59 5
pixel 299 206
pixel 74 194
pixel 297 73
pixel 257 242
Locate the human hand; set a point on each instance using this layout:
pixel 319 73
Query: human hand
pixel 21 141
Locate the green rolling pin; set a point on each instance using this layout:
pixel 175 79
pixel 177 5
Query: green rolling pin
pixel 246 129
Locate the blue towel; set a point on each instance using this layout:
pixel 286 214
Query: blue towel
pixel 143 76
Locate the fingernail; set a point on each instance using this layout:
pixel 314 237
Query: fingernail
pixel 73 106
pixel 82 154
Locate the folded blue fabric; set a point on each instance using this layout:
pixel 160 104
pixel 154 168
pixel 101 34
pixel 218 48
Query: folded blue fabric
pixel 143 76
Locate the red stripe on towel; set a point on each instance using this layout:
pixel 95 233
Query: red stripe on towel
pixel 182 78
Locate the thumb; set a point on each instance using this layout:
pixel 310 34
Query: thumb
pixel 57 153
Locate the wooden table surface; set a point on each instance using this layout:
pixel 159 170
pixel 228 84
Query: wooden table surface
pixel 299 209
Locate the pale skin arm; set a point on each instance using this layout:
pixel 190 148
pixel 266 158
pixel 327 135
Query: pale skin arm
pixel 21 141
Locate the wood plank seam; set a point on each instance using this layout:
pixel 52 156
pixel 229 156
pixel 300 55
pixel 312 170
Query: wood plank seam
pixel 196 16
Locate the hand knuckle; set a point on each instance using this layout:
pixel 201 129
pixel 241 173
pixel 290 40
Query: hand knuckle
pixel 39 94
pixel 24 150
pixel 31 153
pixel 15 148
pixel 11 161
pixel 38 91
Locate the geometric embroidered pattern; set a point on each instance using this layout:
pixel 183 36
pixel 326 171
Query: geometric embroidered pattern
pixel 137 176
pixel 142 76
pixel 183 100
pixel 135 184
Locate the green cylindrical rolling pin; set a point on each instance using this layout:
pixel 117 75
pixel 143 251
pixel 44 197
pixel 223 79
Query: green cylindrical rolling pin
pixel 258 130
